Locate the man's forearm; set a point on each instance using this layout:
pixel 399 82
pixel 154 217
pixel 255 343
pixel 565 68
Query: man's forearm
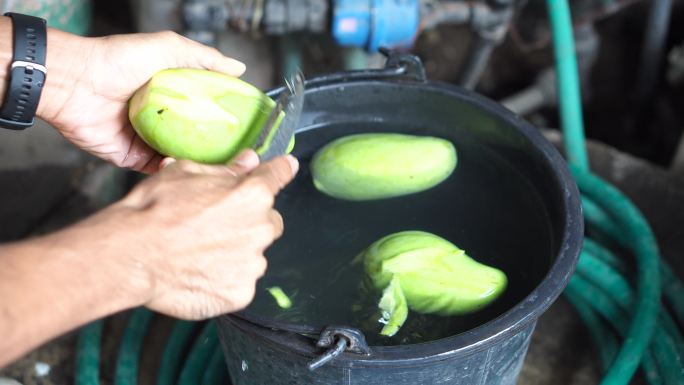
pixel 50 285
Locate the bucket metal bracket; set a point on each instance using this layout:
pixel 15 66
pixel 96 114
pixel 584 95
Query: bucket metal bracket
pixel 356 341
pixel 339 339
pixel 399 65
pixel 411 64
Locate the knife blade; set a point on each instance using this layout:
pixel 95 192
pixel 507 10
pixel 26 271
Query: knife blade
pixel 290 101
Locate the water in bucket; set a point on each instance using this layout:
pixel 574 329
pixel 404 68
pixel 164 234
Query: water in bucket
pixel 485 208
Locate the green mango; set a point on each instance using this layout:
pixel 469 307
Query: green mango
pixel 381 165
pixel 425 273
pixel 200 115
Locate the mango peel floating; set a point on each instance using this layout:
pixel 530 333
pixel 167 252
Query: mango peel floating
pixel 381 165
pixel 425 273
pixel 200 115
pixel 280 297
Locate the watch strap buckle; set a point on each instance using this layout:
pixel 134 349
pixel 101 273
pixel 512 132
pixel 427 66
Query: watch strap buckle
pixel 29 65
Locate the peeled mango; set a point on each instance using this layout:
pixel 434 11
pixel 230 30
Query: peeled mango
pixel 382 165
pixel 425 273
pixel 201 115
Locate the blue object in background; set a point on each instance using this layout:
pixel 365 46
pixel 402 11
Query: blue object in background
pixel 352 22
pixel 372 24
pixel 395 23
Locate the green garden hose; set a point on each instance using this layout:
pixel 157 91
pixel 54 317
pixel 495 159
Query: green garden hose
pixel 602 272
pixel 568 82
pixel 602 275
pixel 674 291
pixel 647 301
pixel 605 203
pixel 605 339
pixel 126 372
pixel 604 278
pixel 602 305
pixel 172 357
pixel 216 372
pixel 88 354
pixel 199 356
pixel 599 222
pixel 673 330
pixel 603 254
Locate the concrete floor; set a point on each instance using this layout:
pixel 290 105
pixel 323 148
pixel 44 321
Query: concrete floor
pixel 38 146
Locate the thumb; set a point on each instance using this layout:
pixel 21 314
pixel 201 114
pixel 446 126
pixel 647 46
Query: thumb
pixel 244 162
pixel 277 173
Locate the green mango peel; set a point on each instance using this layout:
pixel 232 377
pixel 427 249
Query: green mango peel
pixel 381 165
pixel 200 115
pixel 280 297
pixel 425 273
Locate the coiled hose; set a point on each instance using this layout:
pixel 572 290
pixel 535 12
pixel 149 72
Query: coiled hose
pixel 204 363
pixel 88 354
pixel 172 358
pixel 128 360
pixel 650 337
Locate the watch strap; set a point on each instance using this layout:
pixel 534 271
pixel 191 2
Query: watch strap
pixel 27 71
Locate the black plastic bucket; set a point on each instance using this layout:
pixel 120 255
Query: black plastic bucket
pixel 263 350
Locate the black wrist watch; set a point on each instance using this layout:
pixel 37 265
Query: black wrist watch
pixel 26 73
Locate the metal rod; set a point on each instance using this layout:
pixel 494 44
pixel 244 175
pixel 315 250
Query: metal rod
pixel 328 356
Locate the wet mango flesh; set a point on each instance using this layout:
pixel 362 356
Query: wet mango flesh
pixel 201 115
pixel 423 272
pixel 381 165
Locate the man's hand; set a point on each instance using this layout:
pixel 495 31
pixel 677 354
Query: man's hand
pixel 197 233
pixel 204 230
pixel 90 81
pixel 188 242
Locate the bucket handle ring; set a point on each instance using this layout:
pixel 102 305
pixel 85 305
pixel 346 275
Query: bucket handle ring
pixel 338 339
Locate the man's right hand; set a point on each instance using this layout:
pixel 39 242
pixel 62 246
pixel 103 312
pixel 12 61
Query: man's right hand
pixel 188 241
pixel 194 235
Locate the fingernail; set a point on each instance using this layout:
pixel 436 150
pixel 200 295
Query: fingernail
pixel 294 164
pixel 166 162
pixel 242 67
pixel 246 159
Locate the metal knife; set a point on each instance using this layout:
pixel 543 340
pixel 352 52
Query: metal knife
pixel 291 101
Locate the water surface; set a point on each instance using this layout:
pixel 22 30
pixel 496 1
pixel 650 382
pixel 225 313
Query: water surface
pixel 485 208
